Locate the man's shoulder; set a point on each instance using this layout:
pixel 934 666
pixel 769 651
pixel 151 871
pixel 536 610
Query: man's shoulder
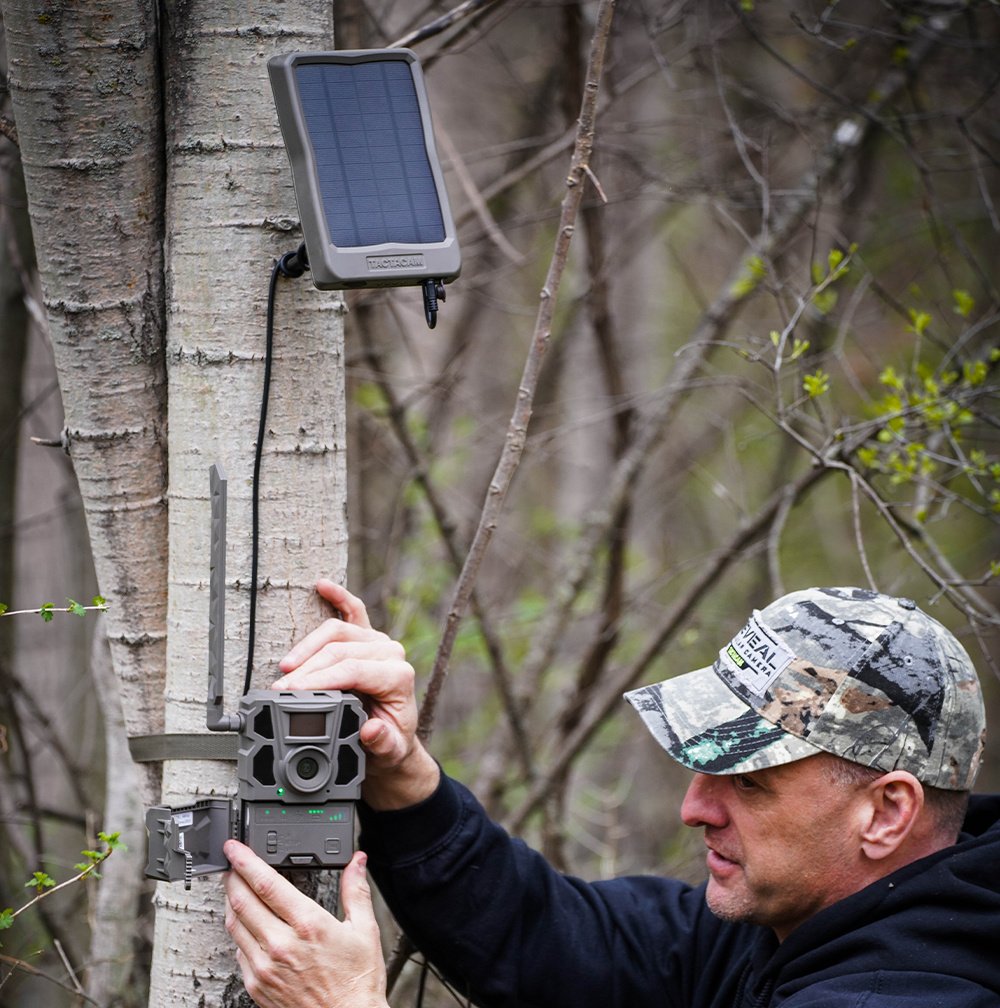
pixel 890 988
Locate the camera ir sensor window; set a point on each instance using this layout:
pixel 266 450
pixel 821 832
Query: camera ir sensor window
pixel 307 724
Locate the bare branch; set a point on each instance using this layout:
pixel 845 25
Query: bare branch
pixel 842 145
pixel 464 10
pixel 518 427
pixel 613 686
pixel 9 129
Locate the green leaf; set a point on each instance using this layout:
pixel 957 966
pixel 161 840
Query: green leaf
pixel 816 384
pixel 39 881
pixel 975 372
pixel 755 272
pixel 799 347
pixel 45 611
pixel 868 457
pixel 76 608
pixel 3 608
pixel 100 601
pixel 921 320
pixel 889 378
pixel 825 301
pixel 964 302
pixel 6 918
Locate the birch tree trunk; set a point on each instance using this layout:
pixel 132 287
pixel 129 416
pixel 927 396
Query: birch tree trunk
pixel 92 90
pixel 84 84
pixel 230 214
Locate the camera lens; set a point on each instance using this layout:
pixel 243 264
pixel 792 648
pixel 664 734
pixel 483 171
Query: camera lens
pixel 306 770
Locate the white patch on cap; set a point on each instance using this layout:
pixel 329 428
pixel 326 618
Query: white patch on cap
pixel 755 657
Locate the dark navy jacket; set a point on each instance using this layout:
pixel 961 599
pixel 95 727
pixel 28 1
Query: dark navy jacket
pixel 507 930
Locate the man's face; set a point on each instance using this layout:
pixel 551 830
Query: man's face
pixel 782 842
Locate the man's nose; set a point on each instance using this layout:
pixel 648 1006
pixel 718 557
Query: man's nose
pixel 703 805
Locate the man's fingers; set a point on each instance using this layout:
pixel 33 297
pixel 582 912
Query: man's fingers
pixel 383 741
pixel 356 894
pixel 246 942
pixel 379 678
pixel 329 632
pixel 349 606
pixel 334 648
pixel 263 883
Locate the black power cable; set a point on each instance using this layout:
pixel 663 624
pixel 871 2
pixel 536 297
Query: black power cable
pixel 293 265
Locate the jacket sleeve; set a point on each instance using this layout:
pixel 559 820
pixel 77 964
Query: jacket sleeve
pixel 508 930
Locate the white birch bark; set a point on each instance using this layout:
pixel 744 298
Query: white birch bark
pixel 84 86
pixel 89 105
pixel 230 207
pixel 112 976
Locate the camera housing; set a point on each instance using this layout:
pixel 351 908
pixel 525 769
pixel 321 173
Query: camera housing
pixel 300 767
pixel 299 764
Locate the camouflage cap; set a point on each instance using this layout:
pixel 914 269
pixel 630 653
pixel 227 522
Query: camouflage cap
pixel 847 671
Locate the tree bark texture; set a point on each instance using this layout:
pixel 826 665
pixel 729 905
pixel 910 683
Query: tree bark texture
pixel 150 286
pixel 230 213
pixel 85 89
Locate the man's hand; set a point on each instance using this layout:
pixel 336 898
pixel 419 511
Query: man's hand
pixel 347 654
pixel 292 953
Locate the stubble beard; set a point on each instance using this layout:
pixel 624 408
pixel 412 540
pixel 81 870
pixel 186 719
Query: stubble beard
pixel 732 907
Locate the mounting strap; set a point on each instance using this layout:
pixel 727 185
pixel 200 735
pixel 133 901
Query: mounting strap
pixel 203 746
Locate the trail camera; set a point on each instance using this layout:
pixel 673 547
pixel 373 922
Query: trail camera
pixel 299 765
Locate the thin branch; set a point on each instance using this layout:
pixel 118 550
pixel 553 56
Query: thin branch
pixel 475 197
pixel 24 967
pixel 774 544
pixel 9 129
pixel 843 144
pixel 446 526
pixel 456 15
pixel 42 611
pixel 517 430
pixel 81 874
pixel 613 686
pixel 859 540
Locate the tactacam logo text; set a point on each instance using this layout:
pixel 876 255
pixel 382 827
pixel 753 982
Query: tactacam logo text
pixel 396 262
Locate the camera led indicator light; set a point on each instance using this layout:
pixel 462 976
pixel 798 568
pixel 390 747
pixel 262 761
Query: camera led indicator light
pixel 281 791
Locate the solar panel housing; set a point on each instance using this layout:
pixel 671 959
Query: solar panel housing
pixel 370 193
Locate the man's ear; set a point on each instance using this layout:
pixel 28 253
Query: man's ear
pixel 895 801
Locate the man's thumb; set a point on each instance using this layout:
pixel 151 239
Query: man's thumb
pixel 356 894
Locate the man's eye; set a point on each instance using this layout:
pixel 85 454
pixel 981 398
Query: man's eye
pixel 744 783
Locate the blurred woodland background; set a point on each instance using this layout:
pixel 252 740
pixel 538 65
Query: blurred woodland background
pixel 774 362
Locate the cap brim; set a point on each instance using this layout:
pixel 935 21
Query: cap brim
pixel 703 725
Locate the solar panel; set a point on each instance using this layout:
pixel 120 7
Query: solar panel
pixel 369 189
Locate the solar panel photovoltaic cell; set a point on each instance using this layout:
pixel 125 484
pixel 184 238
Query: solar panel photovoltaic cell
pixel 365 130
